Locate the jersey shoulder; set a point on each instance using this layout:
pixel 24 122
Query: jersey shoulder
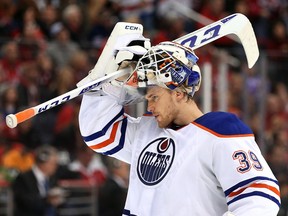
pixel 223 124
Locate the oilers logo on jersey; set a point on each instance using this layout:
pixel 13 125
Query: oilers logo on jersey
pixel 155 160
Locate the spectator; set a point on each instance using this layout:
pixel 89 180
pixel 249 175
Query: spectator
pixel 9 103
pixel 48 16
pixel 42 4
pixel 240 6
pixel 73 20
pixel 80 64
pixel 10 63
pixel 61 47
pixel 235 88
pixel 276 115
pixel 112 194
pixel 277 50
pixel 9 28
pixel 101 27
pixel 284 198
pixel 89 165
pixel 47 73
pixel 9 100
pixel 28 87
pixel 32 40
pixel 278 160
pixel 28 134
pixel 278 42
pixel 33 190
pixel 215 10
pixel 66 129
pixel 30 18
pixel 65 81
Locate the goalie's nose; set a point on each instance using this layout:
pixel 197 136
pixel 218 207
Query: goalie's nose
pixel 150 106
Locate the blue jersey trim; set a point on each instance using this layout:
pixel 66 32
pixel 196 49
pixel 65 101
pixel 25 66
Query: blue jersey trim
pixel 223 123
pixel 245 182
pixel 127 212
pixel 255 193
pixel 104 130
pixel 121 141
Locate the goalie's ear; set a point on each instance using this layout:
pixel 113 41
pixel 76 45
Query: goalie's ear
pixel 179 95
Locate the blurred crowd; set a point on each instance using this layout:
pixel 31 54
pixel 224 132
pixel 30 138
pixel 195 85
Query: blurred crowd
pixel 47 46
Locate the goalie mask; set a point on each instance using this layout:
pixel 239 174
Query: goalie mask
pixel 169 65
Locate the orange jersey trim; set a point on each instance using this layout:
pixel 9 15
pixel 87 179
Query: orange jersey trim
pixel 108 141
pixel 256 185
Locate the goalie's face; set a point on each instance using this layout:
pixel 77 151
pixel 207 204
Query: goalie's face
pixel 163 105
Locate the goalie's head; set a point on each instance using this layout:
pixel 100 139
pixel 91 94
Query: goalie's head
pixel 169 65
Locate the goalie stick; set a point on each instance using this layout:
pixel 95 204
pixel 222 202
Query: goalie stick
pixel 237 24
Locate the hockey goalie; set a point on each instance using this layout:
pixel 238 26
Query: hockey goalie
pixel 182 161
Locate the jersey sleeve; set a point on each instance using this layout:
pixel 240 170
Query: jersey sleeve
pixel 242 172
pixel 249 185
pixel 105 127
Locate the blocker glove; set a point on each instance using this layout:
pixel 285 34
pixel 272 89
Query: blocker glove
pixel 127 57
pixel 123 35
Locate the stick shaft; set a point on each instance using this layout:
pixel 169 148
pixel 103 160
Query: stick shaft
pixel 13 120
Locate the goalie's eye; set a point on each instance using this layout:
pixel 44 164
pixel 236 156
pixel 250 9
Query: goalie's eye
pixel 153 98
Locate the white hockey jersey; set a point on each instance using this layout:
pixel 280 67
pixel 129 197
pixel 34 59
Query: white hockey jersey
pixel 206 168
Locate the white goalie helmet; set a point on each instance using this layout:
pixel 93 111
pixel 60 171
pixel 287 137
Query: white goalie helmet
pixel 169 65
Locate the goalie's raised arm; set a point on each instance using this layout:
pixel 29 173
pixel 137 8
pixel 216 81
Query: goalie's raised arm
pixel 124 34
pixel 103 123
